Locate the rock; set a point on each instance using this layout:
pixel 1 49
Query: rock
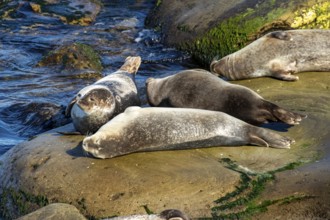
pixel 77 12
pixel 53 168
pixel 213 182
pixel 79 58
pixel 210 29
pixel 55 211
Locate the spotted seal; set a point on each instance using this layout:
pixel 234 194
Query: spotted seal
pixel 96 104
pixel 278 55
pixel 156 128
pixel 201 89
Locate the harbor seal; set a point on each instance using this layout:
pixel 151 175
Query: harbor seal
pixel 155 128
pixel 278 55
pixel 201 89
pixel 96 104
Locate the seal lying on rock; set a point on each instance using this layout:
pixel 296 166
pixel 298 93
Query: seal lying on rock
pixel 200 89
pixel 169 214
pixel 96 104
pixel 153 129
pixel 278 54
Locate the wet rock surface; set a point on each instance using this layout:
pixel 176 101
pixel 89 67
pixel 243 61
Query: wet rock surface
pixel 195 181
pixel 77 12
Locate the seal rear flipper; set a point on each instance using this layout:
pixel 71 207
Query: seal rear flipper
pixel 264 137
pixel 288 117
pixel 70 105
pixel 131 64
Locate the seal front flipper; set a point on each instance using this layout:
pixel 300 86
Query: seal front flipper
pixel 281 35
pixel 69 132
pixel 283 69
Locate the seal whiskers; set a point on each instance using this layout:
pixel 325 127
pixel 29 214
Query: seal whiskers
pixel 96 104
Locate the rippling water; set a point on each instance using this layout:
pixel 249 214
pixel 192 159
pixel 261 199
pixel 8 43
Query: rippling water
pixel 32 99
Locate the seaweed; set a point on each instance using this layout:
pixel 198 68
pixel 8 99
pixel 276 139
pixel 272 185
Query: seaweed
pixel 241 202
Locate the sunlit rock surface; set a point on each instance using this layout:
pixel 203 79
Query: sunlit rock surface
pixel 53 168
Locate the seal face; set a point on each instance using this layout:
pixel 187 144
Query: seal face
pixel 278 55
pixel 96 104
pixel 153 129
pixel 200 89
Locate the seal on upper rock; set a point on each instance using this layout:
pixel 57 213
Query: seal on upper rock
pixel 155 128
pixel 278 55
pixel 96 104
pixel 200 89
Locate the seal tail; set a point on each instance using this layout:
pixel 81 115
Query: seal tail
pixel 131 64
pixel 267 138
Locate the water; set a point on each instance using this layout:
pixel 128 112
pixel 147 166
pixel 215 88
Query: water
pixel 32 99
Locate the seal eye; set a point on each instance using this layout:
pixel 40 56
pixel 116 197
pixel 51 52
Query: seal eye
pixel 79 95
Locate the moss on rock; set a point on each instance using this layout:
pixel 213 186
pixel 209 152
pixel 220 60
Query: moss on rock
pixel 76 56
pixel 236 32
pixel 241 202
pixel 20 201
pixel 317 16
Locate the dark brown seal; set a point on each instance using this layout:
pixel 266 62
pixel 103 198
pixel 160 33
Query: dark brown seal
pixel 201 89
pixel 154 129
pixel 278 54
pixel 96 104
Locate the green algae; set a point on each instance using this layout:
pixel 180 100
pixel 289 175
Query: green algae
pixel 317 16
pixel 76 56
pixel 241 202
pixel 23 202
pixel 233 33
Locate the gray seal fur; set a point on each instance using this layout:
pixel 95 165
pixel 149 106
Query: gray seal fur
pixel 155 128
pixel 96 104
pixel 200 89
pixel 278 54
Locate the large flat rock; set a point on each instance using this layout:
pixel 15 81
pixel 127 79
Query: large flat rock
pixel 54 166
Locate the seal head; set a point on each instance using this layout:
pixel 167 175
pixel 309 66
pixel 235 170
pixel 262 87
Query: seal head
pixel 96 104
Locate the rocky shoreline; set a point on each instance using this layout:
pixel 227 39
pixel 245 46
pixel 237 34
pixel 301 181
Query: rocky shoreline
pixel 219 182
